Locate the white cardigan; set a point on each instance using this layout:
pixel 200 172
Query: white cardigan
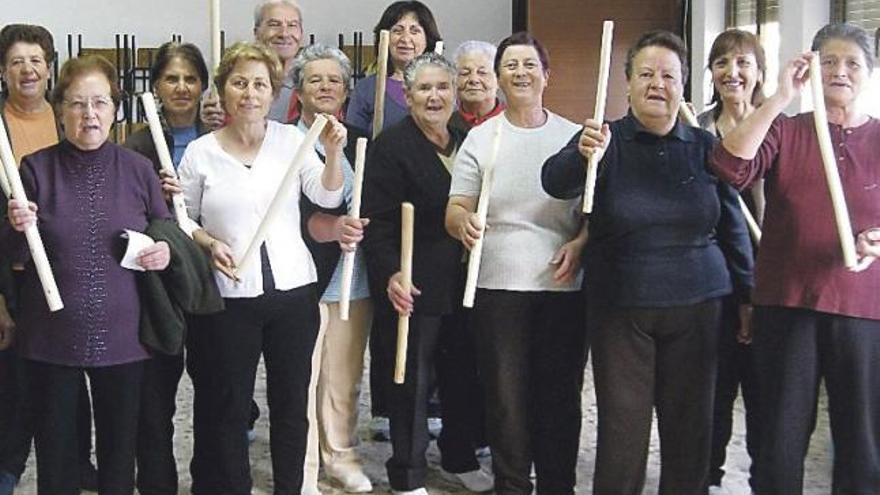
pixel 229 200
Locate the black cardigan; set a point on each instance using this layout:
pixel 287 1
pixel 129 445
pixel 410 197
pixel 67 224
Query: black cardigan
pixel 402 165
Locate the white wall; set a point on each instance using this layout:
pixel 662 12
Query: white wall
pixel 154 21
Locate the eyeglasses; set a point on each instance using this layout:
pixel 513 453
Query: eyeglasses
pixel 80 104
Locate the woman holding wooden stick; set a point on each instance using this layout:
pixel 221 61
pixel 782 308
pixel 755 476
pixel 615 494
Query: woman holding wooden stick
pixel 26 57
pixel 229 178
pixel 527 317
pixel 88 191
pixel 410 161
pixel 663 233
pixel 738 67
pixel 178 77
pixel 815 319
pixel 321 76
pixel 413 31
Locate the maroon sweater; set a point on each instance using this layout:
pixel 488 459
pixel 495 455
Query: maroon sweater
pixel 800 263
pixel 85 200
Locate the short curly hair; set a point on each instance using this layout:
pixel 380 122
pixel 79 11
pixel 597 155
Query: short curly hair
pixel 80 66
pixel 26 33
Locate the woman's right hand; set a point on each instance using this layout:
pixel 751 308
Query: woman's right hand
pixel 594 139
pixel 211 112
pixel 400 298
pixel 793 77
pixel 470 230
pixel 349 231
pixel 21 215
pixel 223 259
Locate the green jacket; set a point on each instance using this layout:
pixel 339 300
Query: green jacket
pixel 186 286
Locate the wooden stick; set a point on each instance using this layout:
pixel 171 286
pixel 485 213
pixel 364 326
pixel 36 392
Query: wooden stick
pixel 476 254
pixel 754 228
pixel 215 35
pixel 438 48
pixel 165 159
pixel 4 182
pixel 348 257
pixel 277 204
pixel 599 110
pixel 829 161
pixel 381 75
pixel 32 234
pixel 684 111
pixel 407 217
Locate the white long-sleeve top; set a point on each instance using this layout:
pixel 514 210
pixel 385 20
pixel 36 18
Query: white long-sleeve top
pixel 230 200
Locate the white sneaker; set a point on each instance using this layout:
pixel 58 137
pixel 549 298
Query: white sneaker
pixel 351 480
pixel 417 491
pixel 477 481
pixel 718 490
pixel 435 426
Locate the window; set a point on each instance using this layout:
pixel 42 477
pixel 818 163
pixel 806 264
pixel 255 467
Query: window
pixel 760 17
pixel 866 14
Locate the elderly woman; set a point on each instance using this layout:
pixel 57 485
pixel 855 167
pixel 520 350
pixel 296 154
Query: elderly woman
pixel 322 75
pixel 476 85
pixel 663 233
pixel 412 31
pixel 26 56
pixel 527 313
pixel 88 192
pixel 411 162
pixel 229 177
pixel 738 66
pixel 178 77
pixel 813 318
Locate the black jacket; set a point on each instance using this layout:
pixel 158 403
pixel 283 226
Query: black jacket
pixel 402 165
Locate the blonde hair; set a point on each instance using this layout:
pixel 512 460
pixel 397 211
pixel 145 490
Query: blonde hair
pixel 246 51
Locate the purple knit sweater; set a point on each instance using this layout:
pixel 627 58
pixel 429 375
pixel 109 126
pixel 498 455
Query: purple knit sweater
pixel 85 200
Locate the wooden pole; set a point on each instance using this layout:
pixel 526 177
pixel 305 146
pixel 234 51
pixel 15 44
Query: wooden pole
pixel 684 111
pixel 407 217
pixel 381 75
pixel 165 159
pixel 829 162
pixel 215 35
pixel 476 254
pixel 4 181
pixel 32 234
pixel 348 257
pixel 599 110
pixel 277 204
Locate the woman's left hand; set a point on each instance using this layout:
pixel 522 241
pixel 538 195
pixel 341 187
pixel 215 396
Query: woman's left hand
pixel 744 332
pixel 334 136
pixel 867 248
pixel 170 184
pixel 155 257
pixel 569 260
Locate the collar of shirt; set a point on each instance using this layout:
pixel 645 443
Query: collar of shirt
pixel 632 128
pixel 474 120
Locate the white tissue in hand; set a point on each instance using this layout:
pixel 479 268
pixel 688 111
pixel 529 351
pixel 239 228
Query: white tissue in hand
pixel 137 242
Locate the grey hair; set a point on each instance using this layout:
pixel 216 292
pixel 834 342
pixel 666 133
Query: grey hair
pixel 847 32
pixel 426 59
pixel 475 46
pixel 262 4
pixel 316 52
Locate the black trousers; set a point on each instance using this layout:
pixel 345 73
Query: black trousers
pixel 432 341
pixel 54 393
pixel 736 370
pixel 794 349
pixel 156 466
pixel 381 362
pixel 201 363
pixel 282 326
pixel 654 357
pixel 531 349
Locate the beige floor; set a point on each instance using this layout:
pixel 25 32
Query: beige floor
pixel 374 454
